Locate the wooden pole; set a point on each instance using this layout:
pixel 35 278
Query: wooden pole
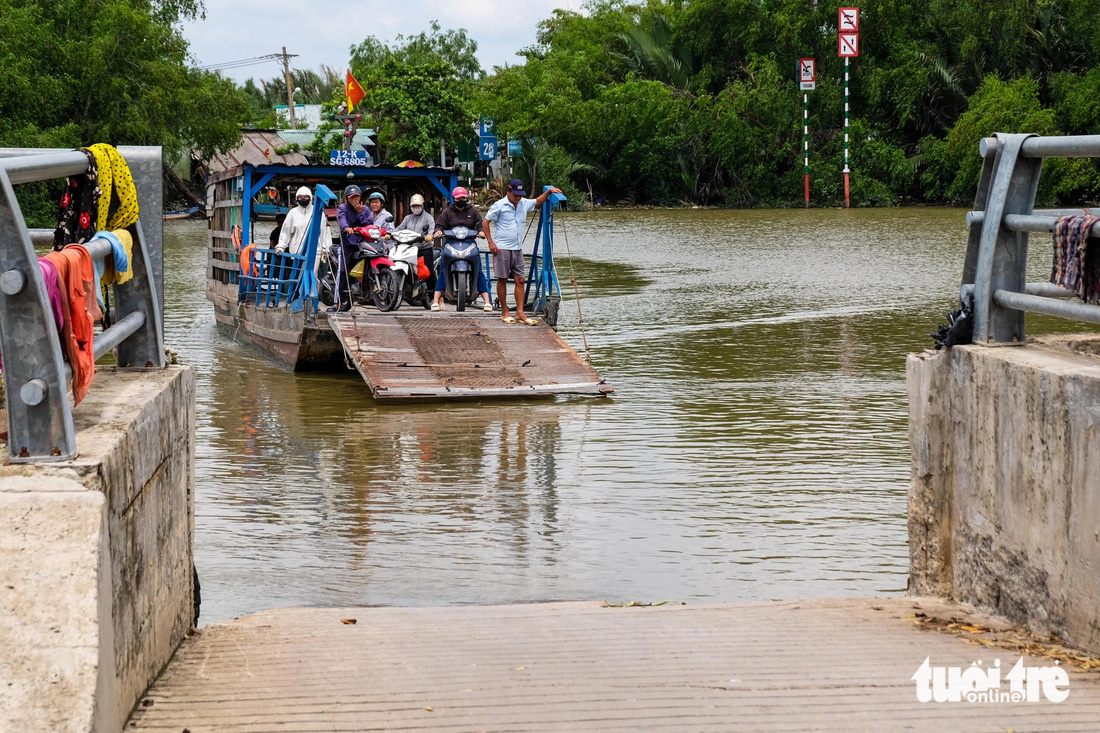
pixel 289 88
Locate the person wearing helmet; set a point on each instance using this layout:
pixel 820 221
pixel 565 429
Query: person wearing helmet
pixel 421 222
pixel 292 238
pixel 460 214
pixel 351 215
pixel 382 218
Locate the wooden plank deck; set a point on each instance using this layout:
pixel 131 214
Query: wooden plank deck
pixel 416 354
pixel 841 665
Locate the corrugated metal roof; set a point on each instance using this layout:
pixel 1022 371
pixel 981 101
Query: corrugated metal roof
pixel 252 149
pixel 361 141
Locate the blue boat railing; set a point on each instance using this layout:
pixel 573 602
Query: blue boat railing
pixel 274 279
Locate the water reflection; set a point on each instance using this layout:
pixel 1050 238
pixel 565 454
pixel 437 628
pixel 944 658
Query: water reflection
pixel 756 445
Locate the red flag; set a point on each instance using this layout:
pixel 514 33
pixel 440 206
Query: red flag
pixel 355 92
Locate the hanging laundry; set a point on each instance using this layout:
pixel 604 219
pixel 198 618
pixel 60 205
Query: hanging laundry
pixel 118 204
pixel 1088 287
pixel 79 207
pixel 117 269
pixel 1072 268
pixel 87 274
pixel 53 292
pixel 74 268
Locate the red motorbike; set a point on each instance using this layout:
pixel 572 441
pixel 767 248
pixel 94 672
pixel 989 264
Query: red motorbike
pixel 379 277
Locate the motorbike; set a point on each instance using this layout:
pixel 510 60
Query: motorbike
pixel 379 278
pixel 405 254
pixel 460 277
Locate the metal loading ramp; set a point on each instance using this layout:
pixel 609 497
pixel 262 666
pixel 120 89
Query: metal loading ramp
pixel 469 355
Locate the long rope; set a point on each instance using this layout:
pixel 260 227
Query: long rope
pixel 576 292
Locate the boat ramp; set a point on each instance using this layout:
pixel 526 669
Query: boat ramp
pixel 469 355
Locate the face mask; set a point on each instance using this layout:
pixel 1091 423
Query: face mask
pixel 303 202
pixel 461 204
pixel 417 209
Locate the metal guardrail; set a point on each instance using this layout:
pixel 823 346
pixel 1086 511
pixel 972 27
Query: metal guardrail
pixel 40 422
pixel 995 270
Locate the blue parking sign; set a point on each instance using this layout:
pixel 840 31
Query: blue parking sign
pixel 487 147
pixel 485 127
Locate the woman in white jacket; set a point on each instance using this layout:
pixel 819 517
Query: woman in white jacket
pixel 293 237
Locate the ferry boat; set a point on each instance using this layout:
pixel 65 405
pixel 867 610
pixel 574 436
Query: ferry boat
pixel 284 324
pixel 272 301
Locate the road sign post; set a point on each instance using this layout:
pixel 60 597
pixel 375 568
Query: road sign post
pixel 807 78
pixel 848 48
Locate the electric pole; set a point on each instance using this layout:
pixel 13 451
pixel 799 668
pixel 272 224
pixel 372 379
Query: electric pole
pixel 289 85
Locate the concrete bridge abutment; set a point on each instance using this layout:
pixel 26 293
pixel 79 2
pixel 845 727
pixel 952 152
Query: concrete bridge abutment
pixel 96 569
pixel 1004 498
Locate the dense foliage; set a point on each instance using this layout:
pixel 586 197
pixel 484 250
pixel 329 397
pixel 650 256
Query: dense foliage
pixel 696 100
pixel 660 102
pixel 420 90
pixel 78 72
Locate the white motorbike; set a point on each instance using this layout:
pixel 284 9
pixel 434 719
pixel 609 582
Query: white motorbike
pixel 405 254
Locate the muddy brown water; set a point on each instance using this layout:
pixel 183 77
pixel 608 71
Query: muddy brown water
pixel 755 447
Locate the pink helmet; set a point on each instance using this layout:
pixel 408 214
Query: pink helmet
pixel 460 192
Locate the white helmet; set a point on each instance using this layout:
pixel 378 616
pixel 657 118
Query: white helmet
pixel 416 200
pixel 304 191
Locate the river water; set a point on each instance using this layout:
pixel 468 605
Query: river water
pixel 755 447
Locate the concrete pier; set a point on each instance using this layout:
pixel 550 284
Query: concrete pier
pixel 844 665
pixel 1004 500
pixel 96 557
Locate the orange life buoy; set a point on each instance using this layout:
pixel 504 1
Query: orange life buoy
pixel 247 266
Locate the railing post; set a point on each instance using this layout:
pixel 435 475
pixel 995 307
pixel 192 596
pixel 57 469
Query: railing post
pixel 146 164
pixel 144 348
pixel 1001 262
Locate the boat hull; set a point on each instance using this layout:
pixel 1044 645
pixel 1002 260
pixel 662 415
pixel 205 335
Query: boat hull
pixel 298 341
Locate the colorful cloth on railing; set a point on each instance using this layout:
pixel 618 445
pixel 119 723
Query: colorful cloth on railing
pixel 79 204
pixel 53 292
pixel 76 275
pixel 1075 267
pixel 117 270
pixel 118 204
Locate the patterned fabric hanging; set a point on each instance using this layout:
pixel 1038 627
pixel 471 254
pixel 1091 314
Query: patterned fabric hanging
pixel 79 204
pixel 118 204
pixel 1075 267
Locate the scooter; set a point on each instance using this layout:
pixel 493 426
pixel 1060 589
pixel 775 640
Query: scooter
pixel 379 277
pixel 405 255
pixel 460 245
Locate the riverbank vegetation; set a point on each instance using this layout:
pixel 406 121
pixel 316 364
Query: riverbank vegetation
pixel 697 101
pixel 662 102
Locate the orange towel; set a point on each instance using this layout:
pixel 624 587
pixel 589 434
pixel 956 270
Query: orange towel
pixel 74 268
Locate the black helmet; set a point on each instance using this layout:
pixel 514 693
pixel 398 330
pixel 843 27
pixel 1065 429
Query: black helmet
pixel 352 191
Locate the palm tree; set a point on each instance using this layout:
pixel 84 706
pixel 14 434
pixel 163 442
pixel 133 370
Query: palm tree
pixel 653 53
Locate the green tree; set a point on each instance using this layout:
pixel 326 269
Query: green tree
pixel 114 71
pixel 420 104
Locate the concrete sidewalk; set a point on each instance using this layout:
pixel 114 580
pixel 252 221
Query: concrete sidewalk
pixel 843 665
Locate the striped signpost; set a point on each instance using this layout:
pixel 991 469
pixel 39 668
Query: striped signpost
pixel 806 81
pixel 848 45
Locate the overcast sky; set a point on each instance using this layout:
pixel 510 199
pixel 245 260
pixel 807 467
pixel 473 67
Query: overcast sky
pixel 320 31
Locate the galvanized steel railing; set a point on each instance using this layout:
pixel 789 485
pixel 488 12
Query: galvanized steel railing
pixel 40 421
pixel 995 270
